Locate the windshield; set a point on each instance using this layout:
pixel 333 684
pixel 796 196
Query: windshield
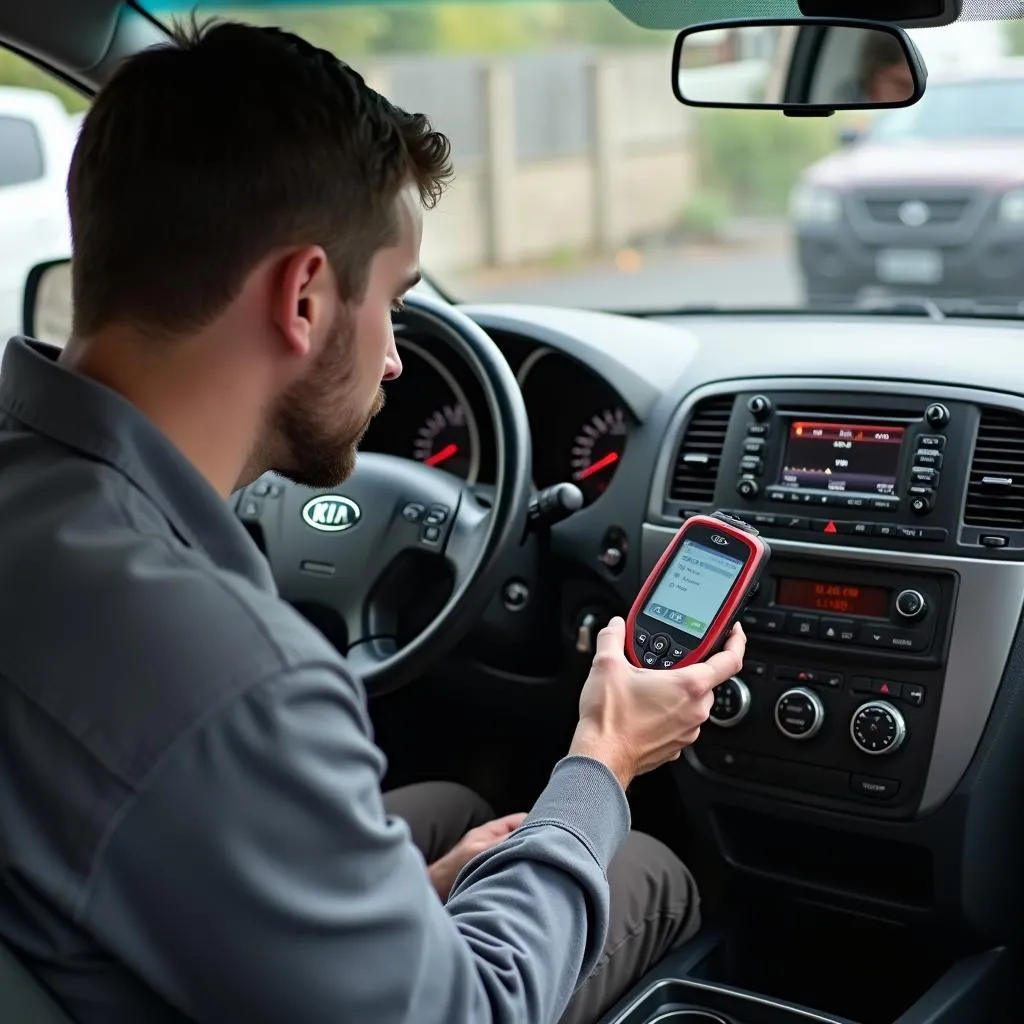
pixel 984 109
pixel 581 181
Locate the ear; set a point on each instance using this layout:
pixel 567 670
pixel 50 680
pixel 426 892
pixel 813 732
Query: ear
pixel 303 300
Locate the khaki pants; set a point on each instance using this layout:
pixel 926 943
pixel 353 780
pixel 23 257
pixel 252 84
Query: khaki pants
pixel 654 901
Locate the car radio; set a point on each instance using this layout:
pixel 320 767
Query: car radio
pixel 884 460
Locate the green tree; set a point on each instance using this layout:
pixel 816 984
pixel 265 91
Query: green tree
pixel 15 70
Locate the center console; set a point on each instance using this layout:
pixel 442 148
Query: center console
pixel 860 769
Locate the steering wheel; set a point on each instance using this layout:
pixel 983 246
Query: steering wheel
pixel 348 557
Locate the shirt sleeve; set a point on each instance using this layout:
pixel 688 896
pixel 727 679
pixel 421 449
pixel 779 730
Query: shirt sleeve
pixel 256 876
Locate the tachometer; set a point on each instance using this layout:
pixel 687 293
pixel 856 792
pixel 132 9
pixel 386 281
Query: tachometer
pixel 596 450
pixel 445 441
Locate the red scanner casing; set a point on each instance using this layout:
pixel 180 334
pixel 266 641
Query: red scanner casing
pixel 735 538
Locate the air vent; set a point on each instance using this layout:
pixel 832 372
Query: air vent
pixel 995 488
pixel 700 451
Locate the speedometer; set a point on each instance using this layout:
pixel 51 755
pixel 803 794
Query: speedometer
pixel 596 450
pixel 445 441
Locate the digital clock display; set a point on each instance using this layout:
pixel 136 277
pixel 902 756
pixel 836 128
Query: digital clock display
pixel 831 597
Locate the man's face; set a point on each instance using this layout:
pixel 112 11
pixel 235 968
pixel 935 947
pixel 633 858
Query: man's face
pixel 892 84
pixel 321 419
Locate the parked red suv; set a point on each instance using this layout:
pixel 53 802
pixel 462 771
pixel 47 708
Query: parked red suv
pixel 928 202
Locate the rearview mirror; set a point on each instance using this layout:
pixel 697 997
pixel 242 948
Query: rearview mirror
pixel 46 313
pixel 810 66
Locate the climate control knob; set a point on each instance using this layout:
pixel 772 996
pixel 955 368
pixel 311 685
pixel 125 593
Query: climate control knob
pixel 910 604
pixel 877 728
pixel 799 713
pixel 732 702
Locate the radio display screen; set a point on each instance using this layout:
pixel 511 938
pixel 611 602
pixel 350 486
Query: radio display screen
pixel 822 596
pixel 853 458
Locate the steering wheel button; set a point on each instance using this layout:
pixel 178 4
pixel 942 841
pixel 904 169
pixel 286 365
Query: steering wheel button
pixel 431 534
pixel 250 509
pixel 436 515
pixel 650 659
pixel 412 512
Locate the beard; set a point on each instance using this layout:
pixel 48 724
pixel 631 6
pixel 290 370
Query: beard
pixel 318 423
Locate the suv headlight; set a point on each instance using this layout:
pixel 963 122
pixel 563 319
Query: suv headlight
pixel 811 205
pixel 1011 207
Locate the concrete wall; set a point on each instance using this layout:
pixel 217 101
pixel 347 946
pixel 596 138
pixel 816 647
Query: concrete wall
pixel 554 153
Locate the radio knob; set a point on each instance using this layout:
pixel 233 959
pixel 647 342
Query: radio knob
pixel 747 487
pixel 759 406
pixel 799 713
pixel 910 604
pixel 936 415
pixel 732 702
pixel 877 728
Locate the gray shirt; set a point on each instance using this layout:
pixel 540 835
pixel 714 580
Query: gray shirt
pixel 191 824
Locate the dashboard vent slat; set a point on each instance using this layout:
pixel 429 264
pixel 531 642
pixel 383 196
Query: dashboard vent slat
pixel 995 487
pixel 700 451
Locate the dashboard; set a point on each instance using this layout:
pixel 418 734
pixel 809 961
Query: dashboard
pixel 877 718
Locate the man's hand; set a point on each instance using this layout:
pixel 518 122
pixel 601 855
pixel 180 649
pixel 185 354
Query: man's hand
pixel 443 872
pixel 635 719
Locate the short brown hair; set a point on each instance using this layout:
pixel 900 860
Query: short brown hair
pixel 880 51
pixel 199 158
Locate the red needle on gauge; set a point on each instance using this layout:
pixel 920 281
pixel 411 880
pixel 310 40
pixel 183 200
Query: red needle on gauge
pixel 595 467
pixel 442 456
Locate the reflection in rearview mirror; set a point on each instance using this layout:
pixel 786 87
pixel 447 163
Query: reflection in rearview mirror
pixel 818 65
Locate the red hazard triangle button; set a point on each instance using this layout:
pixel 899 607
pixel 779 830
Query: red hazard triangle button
pixel 830 527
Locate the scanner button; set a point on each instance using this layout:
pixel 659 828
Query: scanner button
pixel 640 638
pixel 660 644
pixel 676 653
pixel 650 659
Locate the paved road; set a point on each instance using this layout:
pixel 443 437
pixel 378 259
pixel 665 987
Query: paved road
pixel 763 277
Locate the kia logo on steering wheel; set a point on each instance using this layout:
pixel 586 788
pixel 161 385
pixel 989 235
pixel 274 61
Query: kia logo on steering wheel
pixel 331 513
pixel 717 538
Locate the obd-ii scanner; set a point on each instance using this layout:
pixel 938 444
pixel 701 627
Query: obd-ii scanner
pixel 696 592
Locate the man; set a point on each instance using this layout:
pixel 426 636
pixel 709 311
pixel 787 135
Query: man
pixel 883 74
pixel 190 805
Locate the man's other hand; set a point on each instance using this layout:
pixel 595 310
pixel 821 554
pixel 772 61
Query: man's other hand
pixel 443 872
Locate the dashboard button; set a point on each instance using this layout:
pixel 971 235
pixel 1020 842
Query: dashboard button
pixel 838 630
pixel 913 693
pixel 825 526
pixel 884 530
pixel 803 625
pixel 925 457
pixel 758 430
pixel 856 529
pixel 878 789
pixel 759 621
pixel 774 494
pixel 887 638
pixel 886 688
pixel 909 532
pixel 854 502
pixel 753 446
pixel 751 464
pixel 931 441
pixel 861 684
pixel 922 503
pixel 934 533
pixel 794 522
pixel 924 477
pixel 884 504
